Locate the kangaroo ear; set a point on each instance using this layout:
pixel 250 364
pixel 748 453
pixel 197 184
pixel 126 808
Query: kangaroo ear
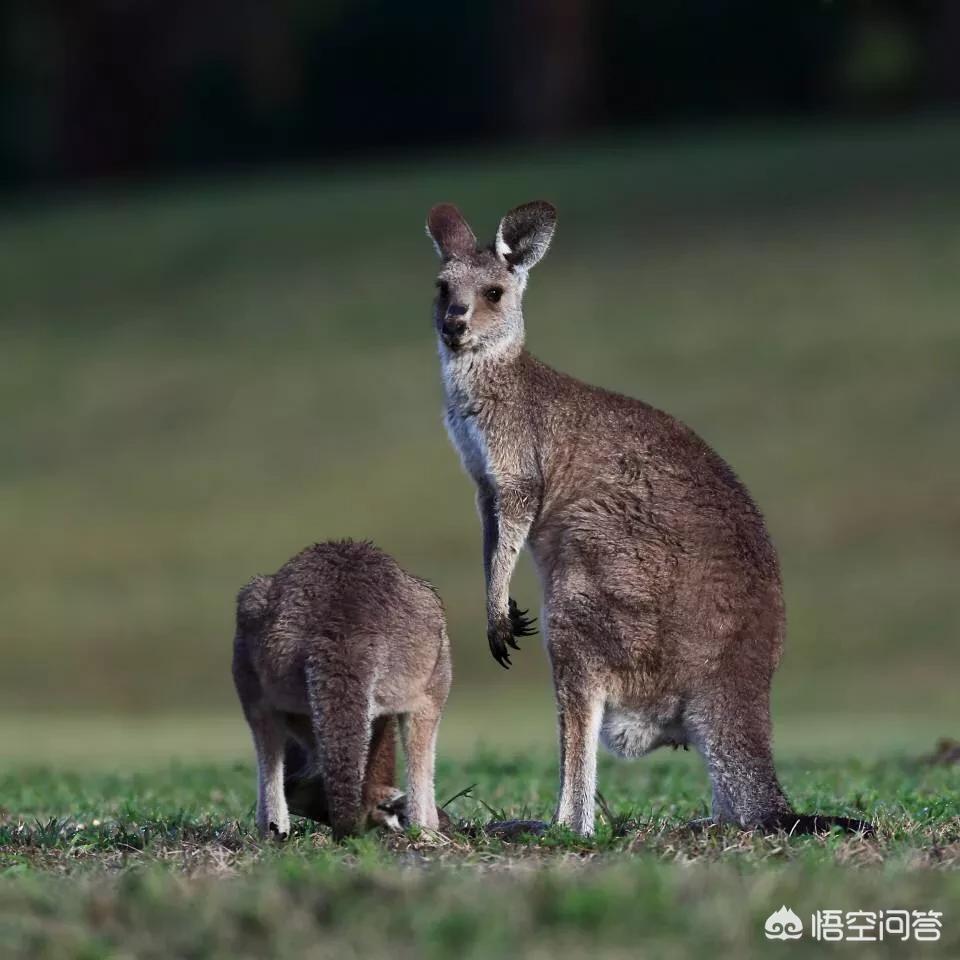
pixel 450 233
pixel 524 234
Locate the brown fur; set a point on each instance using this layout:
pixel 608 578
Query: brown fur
pixel 328 651
pixel 383 803
pixel 663 608
pixel 306 791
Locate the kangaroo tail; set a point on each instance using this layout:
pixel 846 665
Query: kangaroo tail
pixel 795 823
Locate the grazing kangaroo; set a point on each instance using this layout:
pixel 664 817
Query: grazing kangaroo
pixel 328 650
pixel 663 608
pixel 384 804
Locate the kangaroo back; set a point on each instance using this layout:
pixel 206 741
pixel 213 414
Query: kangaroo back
pixel 252 603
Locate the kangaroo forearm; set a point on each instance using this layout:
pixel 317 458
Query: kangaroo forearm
pixel 505 622
pixel 503 561
pixel 508 518
pixel 486 506
pixel 503 536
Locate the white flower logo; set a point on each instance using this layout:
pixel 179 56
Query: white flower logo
pixel 783 924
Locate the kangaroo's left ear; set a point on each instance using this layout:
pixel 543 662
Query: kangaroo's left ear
pixel 451 234
pixel 524 234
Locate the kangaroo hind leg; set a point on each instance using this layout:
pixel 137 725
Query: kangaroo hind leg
pixel 734 737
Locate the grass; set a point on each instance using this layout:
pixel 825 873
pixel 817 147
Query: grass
pixel 165 864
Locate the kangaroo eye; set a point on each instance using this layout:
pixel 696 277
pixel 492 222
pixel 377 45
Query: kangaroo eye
pixel 493 294
pixel 443 288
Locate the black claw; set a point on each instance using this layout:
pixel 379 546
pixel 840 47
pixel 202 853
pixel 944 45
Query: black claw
pixel 504 633
pixel 498 650
pixel 520 624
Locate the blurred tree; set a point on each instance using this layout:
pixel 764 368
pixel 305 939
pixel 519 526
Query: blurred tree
pixel 942 46
pixel 883 59
pixel 551 77
pixel 132 87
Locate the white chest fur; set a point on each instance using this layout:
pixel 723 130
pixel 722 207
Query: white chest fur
pixel 461 420
pixel 469 443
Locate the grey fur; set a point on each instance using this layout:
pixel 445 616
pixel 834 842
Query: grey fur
pixel 663 608
pixel 327 652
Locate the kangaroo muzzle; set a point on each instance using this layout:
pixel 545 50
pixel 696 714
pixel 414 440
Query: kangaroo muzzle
pixel 453 327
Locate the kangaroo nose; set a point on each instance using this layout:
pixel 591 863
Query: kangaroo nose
pixel 454 326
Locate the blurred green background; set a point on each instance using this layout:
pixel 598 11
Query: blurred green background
pixel 204 368
pixel 199 381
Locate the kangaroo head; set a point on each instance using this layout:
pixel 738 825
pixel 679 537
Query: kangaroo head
pixel 479 290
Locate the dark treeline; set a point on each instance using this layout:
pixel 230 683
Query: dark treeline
pixel 97 88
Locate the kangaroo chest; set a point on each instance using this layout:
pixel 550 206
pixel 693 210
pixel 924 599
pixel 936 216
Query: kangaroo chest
pixel 467 435
pixel 485 423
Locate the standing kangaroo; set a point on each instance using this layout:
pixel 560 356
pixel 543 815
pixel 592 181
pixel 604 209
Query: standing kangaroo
pixel 328 650
pixel 663 608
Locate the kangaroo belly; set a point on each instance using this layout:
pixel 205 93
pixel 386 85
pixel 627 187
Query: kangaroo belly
pixel 629 732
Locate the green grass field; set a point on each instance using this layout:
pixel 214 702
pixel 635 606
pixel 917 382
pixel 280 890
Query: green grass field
pixel 199 379
pixel 165 864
